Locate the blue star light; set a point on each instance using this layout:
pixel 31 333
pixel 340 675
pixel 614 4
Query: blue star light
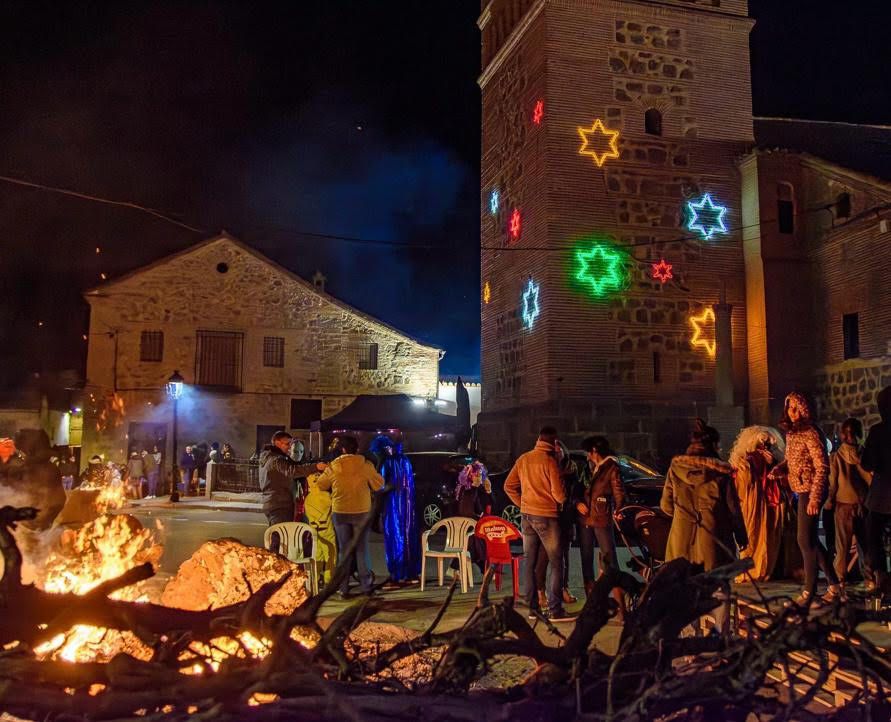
pixel 706 217
pixel 531 309
pixel 494 201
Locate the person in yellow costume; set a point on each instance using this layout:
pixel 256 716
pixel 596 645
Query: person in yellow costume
pixel 318 514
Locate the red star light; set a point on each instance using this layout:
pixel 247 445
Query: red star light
pixel 538 112
pixel 515 224
pixel 662 271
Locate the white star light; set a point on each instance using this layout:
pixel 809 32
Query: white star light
pixel 494 201
pixel 706 217
pixel 531 309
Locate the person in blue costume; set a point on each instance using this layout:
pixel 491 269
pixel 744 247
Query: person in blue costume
pixel 402 541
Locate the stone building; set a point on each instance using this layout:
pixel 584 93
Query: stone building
pixel 633 211
pixel 260 349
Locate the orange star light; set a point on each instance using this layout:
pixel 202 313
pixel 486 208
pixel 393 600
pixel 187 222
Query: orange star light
pixel 698 322
pixel 515 225
pixel 599 142
pixel 662 271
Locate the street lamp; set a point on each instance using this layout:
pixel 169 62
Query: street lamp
pixel 174 391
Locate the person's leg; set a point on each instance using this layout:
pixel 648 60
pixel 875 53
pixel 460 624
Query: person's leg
pixel 824 561
pixel 531 550
pixel 807 528
pixel 875 532
pixel 586 550
pixel 548 531
pixel 276 516
pixel 343 531
pixel 860 535
pixel 363 553
pixel 541 577
pixel 844 533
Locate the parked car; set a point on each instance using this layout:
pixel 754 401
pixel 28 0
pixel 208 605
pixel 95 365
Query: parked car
pixel 436 478
pixel 643 484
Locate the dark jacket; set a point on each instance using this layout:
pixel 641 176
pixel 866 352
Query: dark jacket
pixel 277 474
pixel 700 497
pixel 877 457
pixel 187 462
pixel 603 492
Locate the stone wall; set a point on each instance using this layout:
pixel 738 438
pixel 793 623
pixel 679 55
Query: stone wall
pixel 222 285
pixel 849 389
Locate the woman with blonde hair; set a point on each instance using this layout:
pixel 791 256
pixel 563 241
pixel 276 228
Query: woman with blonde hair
pixel 755 452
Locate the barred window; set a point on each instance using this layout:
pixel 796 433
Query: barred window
pixel 368 357
pixel 151 346
pixel 218 359
pixel 273 351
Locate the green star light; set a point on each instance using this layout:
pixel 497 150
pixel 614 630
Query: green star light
pixel 600 267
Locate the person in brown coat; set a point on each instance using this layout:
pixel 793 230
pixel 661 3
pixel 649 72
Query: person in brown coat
pixel 701 500
pixel 603 494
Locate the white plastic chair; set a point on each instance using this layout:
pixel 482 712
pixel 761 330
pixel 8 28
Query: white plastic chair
pixel 291 536
pixel 459 530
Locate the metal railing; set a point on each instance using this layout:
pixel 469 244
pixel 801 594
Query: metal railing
pixel 236 476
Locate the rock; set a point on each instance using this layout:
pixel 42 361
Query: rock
pixel 219 572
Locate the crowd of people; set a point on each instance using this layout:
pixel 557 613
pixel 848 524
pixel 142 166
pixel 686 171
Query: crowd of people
pixel 775 480
pixel 335 496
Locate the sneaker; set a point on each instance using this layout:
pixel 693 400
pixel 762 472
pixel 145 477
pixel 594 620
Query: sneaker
pixel 567 597
pixel 561 615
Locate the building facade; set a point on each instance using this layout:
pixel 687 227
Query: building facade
pixel 629 199
pixel 610 215
pixel 260 350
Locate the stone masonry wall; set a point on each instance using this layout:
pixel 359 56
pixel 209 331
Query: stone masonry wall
pixel 849 389
pixel 323 341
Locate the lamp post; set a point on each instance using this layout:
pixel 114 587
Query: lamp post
pixel 174 391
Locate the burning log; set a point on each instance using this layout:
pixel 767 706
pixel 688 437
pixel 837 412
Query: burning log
pixel 656 673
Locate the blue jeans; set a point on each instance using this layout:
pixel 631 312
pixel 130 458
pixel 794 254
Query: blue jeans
pixel 541 535
pixel 346 526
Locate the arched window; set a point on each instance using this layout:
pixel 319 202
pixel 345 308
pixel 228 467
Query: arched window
pixel 843 205
pixel 653 122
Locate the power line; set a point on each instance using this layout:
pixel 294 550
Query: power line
pixel 99 199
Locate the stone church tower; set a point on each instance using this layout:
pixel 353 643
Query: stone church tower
pixel 611 219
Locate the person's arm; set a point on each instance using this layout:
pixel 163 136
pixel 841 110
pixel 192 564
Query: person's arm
pixel 326 479
pixel 814 445
pixel 869 459
pixel 617 486
pixel 555 479
pixel 833 479
pixel 512 484
pixel 375 480
pixel 667 501
pixel 288 467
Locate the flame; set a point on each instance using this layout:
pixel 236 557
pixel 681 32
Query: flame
pixel 105 549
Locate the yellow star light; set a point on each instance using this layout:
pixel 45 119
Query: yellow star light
pixel 697 322
pixel 605 142
pixel 487 293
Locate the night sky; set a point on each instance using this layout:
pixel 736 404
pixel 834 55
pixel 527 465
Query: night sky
pixel 272 121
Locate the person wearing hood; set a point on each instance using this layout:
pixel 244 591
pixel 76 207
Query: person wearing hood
pixel 876 459
pixel 277 474
pixel 848 486
pixel 755 452
pixel 351 479
pixel 402 540
pixel 535 485
pixel 701 500
pixel 603 495
pixel 808 467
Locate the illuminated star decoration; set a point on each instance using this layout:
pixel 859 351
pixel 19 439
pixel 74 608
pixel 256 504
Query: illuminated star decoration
pixel 600 267
pixel 706 217
pixel 487 293
pixel 599 142
pixel 515 225
pixel 494 201
pixel 538 112
pixel 698 323
pixel 662 271
pixel 531 309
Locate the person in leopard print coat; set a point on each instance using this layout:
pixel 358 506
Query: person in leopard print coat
pixel 808 466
